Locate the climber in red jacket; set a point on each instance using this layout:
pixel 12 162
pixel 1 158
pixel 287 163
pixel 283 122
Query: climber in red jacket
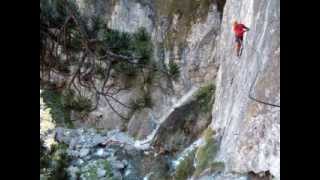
pixel 239 30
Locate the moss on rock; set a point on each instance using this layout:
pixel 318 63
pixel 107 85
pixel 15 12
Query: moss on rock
pixel 205 97
pixel 206 153
pixel 54 162
pixel 90 171
pixel 54 102
pixel 188 13
pixel 185 167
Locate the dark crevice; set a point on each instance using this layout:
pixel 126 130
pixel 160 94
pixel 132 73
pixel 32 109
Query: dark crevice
pixel 220 6
pixel 265 175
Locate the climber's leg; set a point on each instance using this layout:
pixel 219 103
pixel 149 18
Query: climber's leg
pixel 238 45
pixel 238 49
pixel 241 48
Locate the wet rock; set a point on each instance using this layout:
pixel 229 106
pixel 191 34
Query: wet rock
pixel 100 152
pixel 79 162
pixel 141 124
pixel 101 172
pixel 117 164
pixel 73 143
pixel 84 152
pixel 125 162
pixel 72 170
pixel 116 175
pixel 59 134
pixel 131 173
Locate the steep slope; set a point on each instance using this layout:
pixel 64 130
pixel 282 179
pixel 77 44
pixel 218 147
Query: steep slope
pixel 249 131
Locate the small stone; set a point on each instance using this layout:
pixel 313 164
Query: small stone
pixel 80 161
pixel 112 158
pixel 117 164
pixel 125 162
pixel 101 172
pixel 87 158
pixel 73 171
pixel 117 175
pixel 73 143
pixel 80 131
pixel 59 134
pixel 100 152
pixel 84 152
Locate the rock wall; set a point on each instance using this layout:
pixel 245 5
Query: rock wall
pixel 188 39
pixel 202 45
pixel 249 132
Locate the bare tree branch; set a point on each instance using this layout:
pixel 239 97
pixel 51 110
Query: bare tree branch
pixel 78 70
pixel 115 111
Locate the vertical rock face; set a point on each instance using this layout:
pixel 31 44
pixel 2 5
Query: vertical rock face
pixel 183 32
pixel 128 16
pixel 249 131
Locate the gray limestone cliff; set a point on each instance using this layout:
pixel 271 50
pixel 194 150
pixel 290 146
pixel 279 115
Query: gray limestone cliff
pixel 198 37
pixel 249 131
pixel 187 39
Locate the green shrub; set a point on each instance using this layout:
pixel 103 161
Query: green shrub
pixel 141 46
pixel 151 77
pixel 206 153
pixel 117 42
pixel 82 104
pixel 62 66
pixel 100 71
pixel 148 101
pixel 136 45
pixel 173 70
pixel 185 167
pixel 143 50
pixel 53 163
pixel 208 134
pixel 75 43
pixel 55 102
pixel 53 11
pixel 204 97
pixel 97 26
pixel 68 96
pixel 62 162
pixel 44 158
pixel 141 35
pixel 90 171
pixel 129 70
pixel 142 102
pixel 77 103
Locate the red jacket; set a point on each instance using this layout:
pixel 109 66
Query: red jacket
pixel 239 30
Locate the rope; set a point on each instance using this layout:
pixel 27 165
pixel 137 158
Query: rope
pixel 255 79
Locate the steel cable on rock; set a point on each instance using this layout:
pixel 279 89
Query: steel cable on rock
pixel 250 90
pixel 256 77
